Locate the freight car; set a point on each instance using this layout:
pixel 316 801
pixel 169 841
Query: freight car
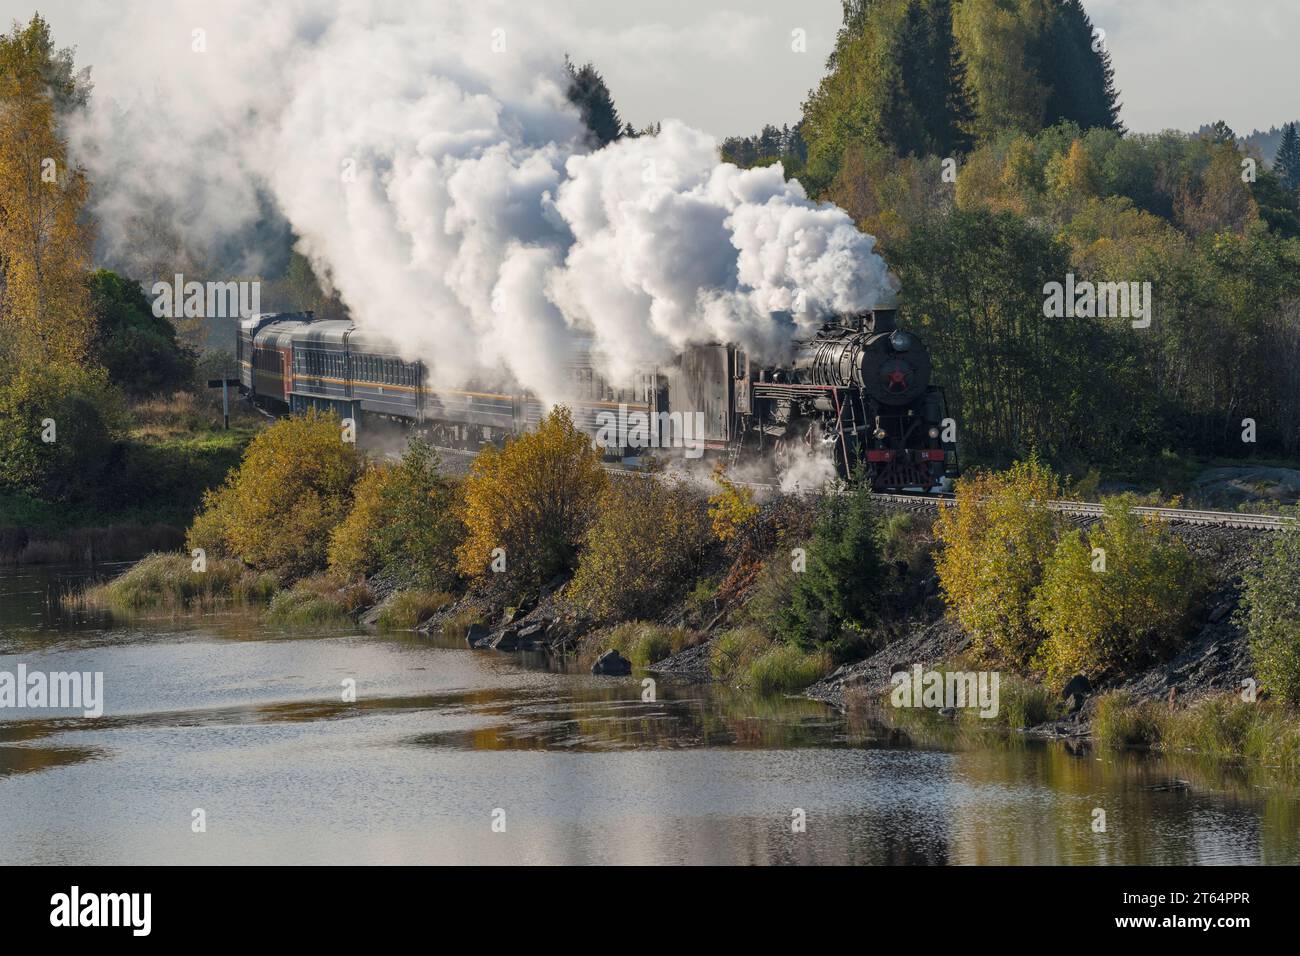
pixel 857 392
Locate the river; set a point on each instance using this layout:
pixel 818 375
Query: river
pixel 449 755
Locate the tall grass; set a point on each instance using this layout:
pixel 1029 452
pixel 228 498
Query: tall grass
pixel 456 627
pixel 734 651
pixel 169 582
pixel 748 658
pixel 409 609
pixel 1222 726
pixel 785 669
pixel 1021 704
pixel 319 599
pixel 640 642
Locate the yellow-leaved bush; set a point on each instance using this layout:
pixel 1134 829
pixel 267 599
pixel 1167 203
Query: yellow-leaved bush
pixel 995 541
pixel 731 508
pixel 533 500
pixel 645 544
pixel 1113 598
pixel 353 550
pixel 277 509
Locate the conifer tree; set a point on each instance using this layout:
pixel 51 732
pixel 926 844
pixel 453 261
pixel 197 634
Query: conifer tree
pixel 590 94
pixel 1287 163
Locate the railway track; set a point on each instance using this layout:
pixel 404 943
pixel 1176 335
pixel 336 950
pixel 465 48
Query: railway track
pixel 1093 511
pixel 1086 510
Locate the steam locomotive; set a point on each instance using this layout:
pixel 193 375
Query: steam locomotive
pixel 858 393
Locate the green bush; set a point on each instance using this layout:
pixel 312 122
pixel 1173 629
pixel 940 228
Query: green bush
pixel 1271 611
pixel 140 350
pixel 1114 599
pixel 81 415
pixel 404 521
pixel 844 577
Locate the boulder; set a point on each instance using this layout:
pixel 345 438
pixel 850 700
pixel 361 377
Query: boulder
pixel 1077 685
pixel 507 639
pixel 1231 486
pixel 612 664
pixel 1222 611
pixel 476 635
pixel 532 635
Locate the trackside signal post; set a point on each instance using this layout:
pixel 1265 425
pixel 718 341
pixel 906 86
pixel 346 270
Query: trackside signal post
pixel 224 384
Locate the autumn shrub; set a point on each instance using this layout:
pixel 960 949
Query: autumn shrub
pixel 644 544
pixel 730 508
pixel 1114 598
pixel 1270 611
pixel 404 521
pixel 995 542
pixel 534 500
pixel 353 547
pixel 293 486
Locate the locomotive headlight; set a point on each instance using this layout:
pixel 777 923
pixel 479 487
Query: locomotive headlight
pixel 880 433
pixel 934 433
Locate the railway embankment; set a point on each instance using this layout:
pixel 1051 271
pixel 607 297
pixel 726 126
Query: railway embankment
pixel 1095 619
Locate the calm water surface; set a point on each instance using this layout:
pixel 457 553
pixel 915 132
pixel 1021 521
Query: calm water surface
pixel 247 723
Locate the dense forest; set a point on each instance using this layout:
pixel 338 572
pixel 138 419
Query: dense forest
pixel 980 142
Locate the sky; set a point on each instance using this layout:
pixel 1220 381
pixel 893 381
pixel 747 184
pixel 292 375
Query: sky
pixel 728 67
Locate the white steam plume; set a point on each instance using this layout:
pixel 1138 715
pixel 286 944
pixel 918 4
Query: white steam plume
pixel 436 176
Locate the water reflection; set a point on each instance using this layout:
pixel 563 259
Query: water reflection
pixel 249 723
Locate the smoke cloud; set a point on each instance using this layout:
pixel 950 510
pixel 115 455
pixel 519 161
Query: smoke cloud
pixel 432 170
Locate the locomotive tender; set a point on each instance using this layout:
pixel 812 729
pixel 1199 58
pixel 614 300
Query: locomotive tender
pixel 858 392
